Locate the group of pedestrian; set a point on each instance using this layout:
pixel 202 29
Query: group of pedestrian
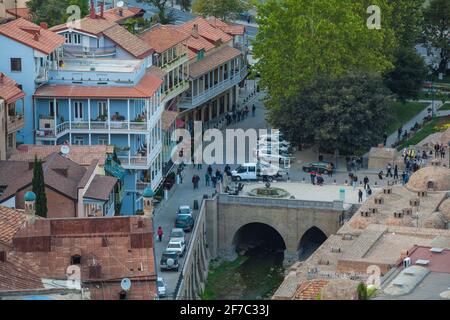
pixel 316 178
pixel 195 181
pixel 439 150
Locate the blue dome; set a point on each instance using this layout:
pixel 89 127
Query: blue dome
pixel 30 196
pixel 148 193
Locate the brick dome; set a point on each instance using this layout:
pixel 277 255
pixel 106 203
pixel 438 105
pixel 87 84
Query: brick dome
pixel 445 208
pixel 436 221
pixel 433 178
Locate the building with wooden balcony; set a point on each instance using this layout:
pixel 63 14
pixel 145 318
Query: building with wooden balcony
pixel 11 114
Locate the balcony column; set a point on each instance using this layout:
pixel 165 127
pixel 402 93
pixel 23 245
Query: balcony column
pixel 108 103
pixel 147 107
pixel 147 137
pixel 198 86
pixel 128 114
pixel 129 152
pixel 55 118
pixel 70 116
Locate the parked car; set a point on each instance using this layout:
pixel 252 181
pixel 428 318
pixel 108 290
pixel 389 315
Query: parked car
pixel 176 246
pixel 178 234
pixel 185 222
pixel 161 285
pixel 169 261
pixel 320 167
pixel 185 210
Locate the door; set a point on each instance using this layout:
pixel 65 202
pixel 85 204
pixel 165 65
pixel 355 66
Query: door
pixel 78 112
pixel 251 175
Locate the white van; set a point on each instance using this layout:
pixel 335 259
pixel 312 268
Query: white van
pixel 256 171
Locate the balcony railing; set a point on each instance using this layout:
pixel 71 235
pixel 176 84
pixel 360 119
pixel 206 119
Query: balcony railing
pixel 42 74
pixel 193 102
pixel 176 90
pixel 82 52
pixel 175 63
pixel 15 123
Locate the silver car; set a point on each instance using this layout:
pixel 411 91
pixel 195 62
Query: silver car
pixel 161 287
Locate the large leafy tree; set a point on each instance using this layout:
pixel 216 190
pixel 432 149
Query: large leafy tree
pixel 164 15
pixel 39 189
pixel 301 40
pixel 54 12
pixel 348 113
pixel 407 21
pixel 223 9
pixel 407 77
pixel 436 31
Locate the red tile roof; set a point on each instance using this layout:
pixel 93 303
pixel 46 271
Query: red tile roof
pixel 212 61
pixel 9 90
pixel 110 29
pixel 231 29
pixel 21 13
pixel 11 221
pixel 23 31
pixel 163 37
pixel 100 188
pixel 206 30
pixel 310 290
pixel 438 262
pixel 127 13
pixel 146 88
pixel 15 275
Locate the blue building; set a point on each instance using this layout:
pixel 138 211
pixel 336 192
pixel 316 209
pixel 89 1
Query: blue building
pixel 27 53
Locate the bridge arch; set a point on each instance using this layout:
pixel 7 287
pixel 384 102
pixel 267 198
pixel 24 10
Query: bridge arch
pixel 258 234
pixel 311 240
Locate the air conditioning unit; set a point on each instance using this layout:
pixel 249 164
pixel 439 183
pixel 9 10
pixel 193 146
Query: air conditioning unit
pixel 406 262
pixel 422 262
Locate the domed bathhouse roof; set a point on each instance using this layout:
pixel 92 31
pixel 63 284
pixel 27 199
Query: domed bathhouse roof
pixel 436 221
pixel 148 193
pixel 30 196
pixel 444 208
pixel 433 178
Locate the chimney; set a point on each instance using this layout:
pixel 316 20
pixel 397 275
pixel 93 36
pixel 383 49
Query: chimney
pixel 2 256
pixel 121 12
pixel 194 31
pixel 92 13
pixel 102 9
pixel 44 25
pixel 2 77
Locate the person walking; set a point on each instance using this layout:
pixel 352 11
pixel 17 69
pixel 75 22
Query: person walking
pixel 210 170
pixel 366 182
pixel 389 171
pixel 160 233
pixel 360 196
pixel 253 111
pixel 385 136
pixel 207 179
pixel 396 172
pixel 313 177
pixel 214 181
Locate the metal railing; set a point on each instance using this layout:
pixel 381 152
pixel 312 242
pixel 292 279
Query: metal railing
pixel 79 51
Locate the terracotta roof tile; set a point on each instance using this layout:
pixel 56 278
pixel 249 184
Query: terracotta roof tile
pixel 22 31
pixel 231 29
pixel 15 275
pixel 9 90
pixel 11 221
pixel 127 13
pixel 21 13
pixel 206 30
pixel 212 61
pixel 310 290
pixel 83 155
pixel 163 37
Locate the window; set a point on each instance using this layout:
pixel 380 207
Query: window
pixel 11 140
pixel 78 141
pixel 72 38
pixel 102 108
pixel 16 64
pixel 103 140
pixel 75 259
pixel 77 38
pixel 12 109
pixel 51 108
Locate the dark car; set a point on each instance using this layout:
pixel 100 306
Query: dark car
pixel 318 167
pixel 169 261
pixel 184 222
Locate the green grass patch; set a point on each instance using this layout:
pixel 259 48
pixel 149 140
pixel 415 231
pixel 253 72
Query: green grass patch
pixel 403 112
pixel 436 125
pixel 445 107
pixel 218 274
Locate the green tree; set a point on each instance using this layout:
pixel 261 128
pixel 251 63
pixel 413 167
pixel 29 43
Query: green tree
pixel 39 189
pixel 54 12
pixel 362 291
pixel 164 15
pixel 436 31
pixel 301 40
pixel 407 77
pixel 185 5
pixel 407 21
pixel 348 114
pixel 222 9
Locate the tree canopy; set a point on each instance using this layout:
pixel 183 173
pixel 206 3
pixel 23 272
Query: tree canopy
pixel 301 40
pixel 348 113
pixel 222 9
pixel 164 15
pixel 39 189
pixel 436 31
pixel 407 77
pixel 54 12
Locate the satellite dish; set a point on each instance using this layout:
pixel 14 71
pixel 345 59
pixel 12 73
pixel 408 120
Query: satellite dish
pixel 65 150
pixel 120 4
pixel 125 284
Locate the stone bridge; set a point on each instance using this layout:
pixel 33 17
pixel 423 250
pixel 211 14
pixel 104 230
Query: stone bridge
pixel 225 222
pixel 230 220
